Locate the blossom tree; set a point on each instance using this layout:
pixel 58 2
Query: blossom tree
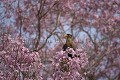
pixel 95 25
pixel 67 68
pixel 17 62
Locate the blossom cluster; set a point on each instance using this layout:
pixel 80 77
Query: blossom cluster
pixel 67 68
pixel 17 62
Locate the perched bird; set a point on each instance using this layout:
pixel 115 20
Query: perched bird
pixel 64 66
pixel 69 43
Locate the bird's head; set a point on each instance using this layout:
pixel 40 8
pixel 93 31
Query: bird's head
pixel 67 36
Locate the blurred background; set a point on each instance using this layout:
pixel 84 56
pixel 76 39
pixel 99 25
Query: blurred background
pixel 94 24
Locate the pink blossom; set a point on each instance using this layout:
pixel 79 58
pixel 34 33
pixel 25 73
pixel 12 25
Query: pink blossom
pixel 75 64
pixel 17 57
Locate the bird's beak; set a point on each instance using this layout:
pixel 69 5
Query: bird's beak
pixel 65 36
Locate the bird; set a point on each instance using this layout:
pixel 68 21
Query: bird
pixel 64 66
pixel 69 44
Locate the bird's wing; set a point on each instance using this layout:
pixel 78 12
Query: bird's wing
pixel 65 47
